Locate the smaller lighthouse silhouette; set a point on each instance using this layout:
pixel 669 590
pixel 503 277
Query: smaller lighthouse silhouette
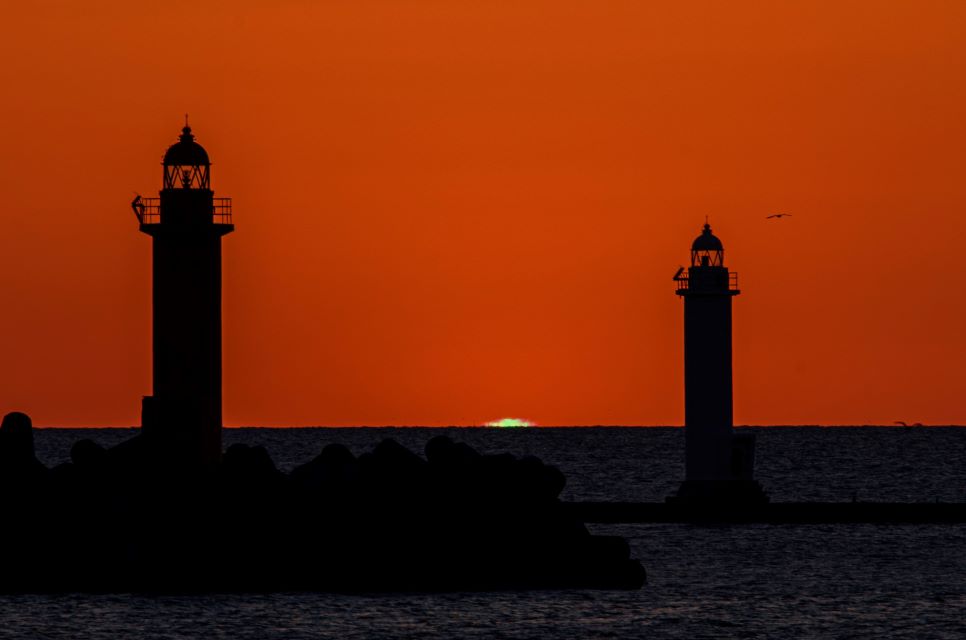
pixel 718 463
pixel 186 224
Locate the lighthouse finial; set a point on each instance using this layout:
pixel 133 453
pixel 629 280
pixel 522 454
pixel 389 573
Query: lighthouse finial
pixel 186 135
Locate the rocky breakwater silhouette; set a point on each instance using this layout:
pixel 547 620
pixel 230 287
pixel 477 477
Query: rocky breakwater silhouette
pixel 140 517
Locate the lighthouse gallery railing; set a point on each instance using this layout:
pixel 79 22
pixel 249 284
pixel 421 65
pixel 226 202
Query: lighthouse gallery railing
pixel 711 280
pixel 148 210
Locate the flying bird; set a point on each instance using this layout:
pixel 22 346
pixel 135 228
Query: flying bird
pixel 779 215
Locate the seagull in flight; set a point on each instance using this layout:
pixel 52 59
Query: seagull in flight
pixel 779 215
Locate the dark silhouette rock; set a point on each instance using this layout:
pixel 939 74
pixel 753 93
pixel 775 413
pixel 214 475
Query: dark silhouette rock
pixel 388 519
pixel 330 473
pixel 17 458
pixel 248 461
pixel 16 436
pixel 87 454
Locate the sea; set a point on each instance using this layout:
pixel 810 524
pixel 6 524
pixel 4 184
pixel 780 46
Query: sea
pixel 724 581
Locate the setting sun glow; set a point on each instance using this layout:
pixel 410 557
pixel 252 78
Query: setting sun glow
pixel 510 422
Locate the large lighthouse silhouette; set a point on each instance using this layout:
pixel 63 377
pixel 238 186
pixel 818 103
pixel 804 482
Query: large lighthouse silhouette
pixel 719 464
pixel 186 224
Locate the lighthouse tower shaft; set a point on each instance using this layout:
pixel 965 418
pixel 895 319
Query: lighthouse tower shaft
pixel 707 373
pixel 186 224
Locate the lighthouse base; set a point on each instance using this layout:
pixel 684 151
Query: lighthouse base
pixel 725 470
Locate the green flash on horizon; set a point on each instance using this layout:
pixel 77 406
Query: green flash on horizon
pixel 506 423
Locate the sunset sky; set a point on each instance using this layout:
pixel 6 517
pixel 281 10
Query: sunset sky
pixel 449 212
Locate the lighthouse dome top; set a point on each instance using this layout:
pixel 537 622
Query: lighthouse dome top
pixel 707 241
pixel 186 164
pixel 186 152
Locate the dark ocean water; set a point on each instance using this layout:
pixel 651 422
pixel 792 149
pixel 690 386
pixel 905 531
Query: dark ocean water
pixel 743 581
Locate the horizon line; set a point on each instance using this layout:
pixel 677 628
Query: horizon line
pixel 544 426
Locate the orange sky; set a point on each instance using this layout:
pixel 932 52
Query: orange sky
pixel 452 211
